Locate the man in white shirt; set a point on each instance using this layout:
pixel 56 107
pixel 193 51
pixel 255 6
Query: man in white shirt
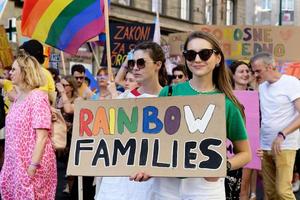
pixel 279 134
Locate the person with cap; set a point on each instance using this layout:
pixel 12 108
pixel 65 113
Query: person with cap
pixel 35 49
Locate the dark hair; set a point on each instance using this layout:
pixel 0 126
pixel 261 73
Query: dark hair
pixel 77 68
pixel 180 67
pixel 54 72
pixel 220 76
pixel 235 64
pixel 156 53
pixel 35 49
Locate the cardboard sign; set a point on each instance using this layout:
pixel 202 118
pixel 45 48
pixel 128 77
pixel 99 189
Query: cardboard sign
pixel 123 38
pixel 166 137
pixel 243 42
pixel 250 101
pixel 6 55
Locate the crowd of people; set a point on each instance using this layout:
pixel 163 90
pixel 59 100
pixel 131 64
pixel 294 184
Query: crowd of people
pixel 29 169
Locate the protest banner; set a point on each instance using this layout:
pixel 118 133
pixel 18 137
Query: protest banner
pixel 250 101
pixel 242 42
pixel 124 37
pixel 290 68
pixel 168 137
pixel 6 56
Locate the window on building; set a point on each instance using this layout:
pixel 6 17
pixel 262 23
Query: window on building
pixel 288 12
pixel 124 2
pixel 229 12
pixel 266 5
pixel 185 6
pixel 157 6
pixel 208 12
pixel 287 4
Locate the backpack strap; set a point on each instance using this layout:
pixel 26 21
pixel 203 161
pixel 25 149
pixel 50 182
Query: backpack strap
pixel 170 90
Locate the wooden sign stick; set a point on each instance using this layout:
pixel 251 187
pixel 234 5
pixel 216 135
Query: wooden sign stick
pixel 108 52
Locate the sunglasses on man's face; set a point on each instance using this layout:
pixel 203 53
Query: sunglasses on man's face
pixel 204 54
pixel 180 76
pixel 79 77
pixel 140 63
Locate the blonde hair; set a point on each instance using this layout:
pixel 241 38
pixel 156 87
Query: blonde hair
pixel 31 72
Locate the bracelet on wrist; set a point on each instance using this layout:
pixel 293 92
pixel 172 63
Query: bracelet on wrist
pixel 36 165
pixel 283 136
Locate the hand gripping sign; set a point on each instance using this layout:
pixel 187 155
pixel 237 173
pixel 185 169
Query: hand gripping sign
pixel 166 137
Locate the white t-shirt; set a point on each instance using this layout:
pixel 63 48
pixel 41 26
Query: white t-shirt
pixel 116 188
pixel 278 111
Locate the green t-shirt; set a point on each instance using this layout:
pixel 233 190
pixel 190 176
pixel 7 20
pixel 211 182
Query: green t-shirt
pixel 235 126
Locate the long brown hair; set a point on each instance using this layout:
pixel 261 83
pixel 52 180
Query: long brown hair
pixel 156 53
pixel 73 84
pixel 220 75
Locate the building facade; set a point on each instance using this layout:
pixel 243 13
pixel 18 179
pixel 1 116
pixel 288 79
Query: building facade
pixel 267 12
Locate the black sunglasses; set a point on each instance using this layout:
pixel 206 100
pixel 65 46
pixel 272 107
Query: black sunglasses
pixel 79 77
pixel 65 85
pixel 177 76
pixel 140 63
pixel 204 54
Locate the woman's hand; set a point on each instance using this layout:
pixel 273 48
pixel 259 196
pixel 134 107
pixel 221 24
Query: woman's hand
pixel 140 177
pixel 111 87
pixel 60 88
pixel 260 153
pixel 31 170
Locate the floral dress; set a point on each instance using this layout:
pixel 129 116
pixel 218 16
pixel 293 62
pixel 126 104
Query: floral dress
pixel 22 120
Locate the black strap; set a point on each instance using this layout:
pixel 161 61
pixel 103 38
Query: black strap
pixel 170 91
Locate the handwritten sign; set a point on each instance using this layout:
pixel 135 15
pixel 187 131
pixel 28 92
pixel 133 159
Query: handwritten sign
pixel 124 37
pixel 242 42
pixel 6 55
pixel 168 137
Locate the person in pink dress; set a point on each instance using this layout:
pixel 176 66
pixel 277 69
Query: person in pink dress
pixel 29 169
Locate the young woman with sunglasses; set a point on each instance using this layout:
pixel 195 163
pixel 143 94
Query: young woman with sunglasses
pixel 125 77
pixel 205 64
pixel 103 84
pixel 67 94
pixel 148 68
pixel 179 74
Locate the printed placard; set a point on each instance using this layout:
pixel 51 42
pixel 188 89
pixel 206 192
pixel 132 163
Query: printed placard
pixel 165 137
pixel 243 42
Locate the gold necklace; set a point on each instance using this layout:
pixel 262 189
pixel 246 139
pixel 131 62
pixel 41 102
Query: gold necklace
pixel 203 91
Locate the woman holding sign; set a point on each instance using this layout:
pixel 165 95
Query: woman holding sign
pixel 205 63
pixel 148 68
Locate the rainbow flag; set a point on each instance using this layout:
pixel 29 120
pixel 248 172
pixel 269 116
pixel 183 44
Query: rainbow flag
pixel 63 24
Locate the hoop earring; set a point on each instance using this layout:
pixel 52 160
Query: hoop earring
pixel 217 65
